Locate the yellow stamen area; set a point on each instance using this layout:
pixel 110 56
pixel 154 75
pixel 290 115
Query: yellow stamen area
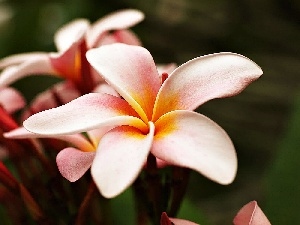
pixel 165 125
pixel 77 67
pixel 164 105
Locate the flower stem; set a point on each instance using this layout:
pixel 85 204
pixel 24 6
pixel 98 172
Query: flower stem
pixel 179 183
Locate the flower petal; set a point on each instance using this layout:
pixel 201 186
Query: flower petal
pixel 204 78
pixel 191 140
pixel 119 20
pixel 120 36
pixel 68 63
pixel 88 112
pixel 73 163
pixel 78 140
pixel 20 58
pixel 251 214
pixel 70 33
pixel 20 133
pixel 39 65
pixel 120 157
pixel 131 71
pixel 11 99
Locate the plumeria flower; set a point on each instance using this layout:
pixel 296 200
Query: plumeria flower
pixel 152 116
pixel 250 214
pixel 72 42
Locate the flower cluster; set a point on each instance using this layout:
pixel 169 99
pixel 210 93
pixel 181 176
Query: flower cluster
pixel 118 113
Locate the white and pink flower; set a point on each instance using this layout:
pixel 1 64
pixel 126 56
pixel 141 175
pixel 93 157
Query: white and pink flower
pixel 152 116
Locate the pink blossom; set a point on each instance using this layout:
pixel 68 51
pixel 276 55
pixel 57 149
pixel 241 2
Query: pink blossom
pixel 72 42
pixel 152 116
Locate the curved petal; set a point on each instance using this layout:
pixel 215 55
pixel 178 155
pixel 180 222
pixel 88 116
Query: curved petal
pixel 11 99
pixel 191 140
pixel 120 157
pixel 68 63
pixel 20 58
pixel 134 76
pixel 20 133
pixel 70 33
pixel 73 163
pixel 119 20
pixel 251 214
pixel 88 112
pixel 120 36
pixel 39 65
pixel 204 78
pixel 78 140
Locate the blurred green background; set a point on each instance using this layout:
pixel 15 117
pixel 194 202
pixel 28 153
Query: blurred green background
pixel 263 121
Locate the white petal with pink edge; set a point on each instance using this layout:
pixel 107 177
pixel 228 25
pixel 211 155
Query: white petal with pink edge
pixel 120 157
pixel 191 140
pixel 119 20
pixel 20 58
pixel 204 78
pixel 131 71
pixel 73 163
pixel 88 112
pixel 78 140
pixel 36 66
pixel 70 33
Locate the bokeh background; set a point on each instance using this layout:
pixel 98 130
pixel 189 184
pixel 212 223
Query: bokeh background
pixel 263 121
